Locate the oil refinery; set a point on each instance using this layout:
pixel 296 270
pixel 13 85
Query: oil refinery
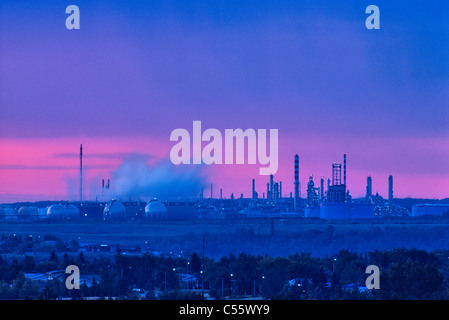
pixel 326 200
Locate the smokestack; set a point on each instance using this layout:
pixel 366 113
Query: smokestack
pixel 280 189
pixel 268 191
pixel 322 189
pixel 211 190
pixel 296 199
pixel 254 193
pixel 344 169
pixel 276 193
pixel 369 187
pixel 81 172
pixel 271 186
pixel 390 190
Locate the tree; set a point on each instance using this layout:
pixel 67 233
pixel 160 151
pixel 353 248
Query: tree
pixel 53 257
pixel 52 290
pixel 195 263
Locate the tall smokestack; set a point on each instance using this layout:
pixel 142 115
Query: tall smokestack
pixel 390 190
pixel 254 193
pixel 344 169
pixel 280 189
pixel 276 193
pixel 296 199
pixel 271 186
pixel 268 191
pixel 81 172
pixel 322 189
pixel 369 187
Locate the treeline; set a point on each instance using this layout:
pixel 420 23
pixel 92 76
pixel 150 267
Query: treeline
pixel 404 274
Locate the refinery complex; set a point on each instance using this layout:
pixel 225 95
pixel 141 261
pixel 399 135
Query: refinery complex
pixel 329 200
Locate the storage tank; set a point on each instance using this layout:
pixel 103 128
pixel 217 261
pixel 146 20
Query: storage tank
pixel 61 212
pixel 71 212
pixel 155 210
pixel 28 212
pixel 114 210
pixel 55 211
pixel 7 213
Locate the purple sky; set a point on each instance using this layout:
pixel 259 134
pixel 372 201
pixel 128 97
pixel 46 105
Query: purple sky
pixel 311 69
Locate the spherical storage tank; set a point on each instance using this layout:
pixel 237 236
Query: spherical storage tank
pixel 7 213
pixel 28 212
pixel 155 210
pixel 114 210
pixel 72 212
pixel 55 211
pixel 61 212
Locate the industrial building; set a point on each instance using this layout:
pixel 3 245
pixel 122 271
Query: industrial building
pixel 336 203
pixel 430 210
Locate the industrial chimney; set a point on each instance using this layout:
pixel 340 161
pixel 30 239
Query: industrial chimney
pixel 296 199
pixel 254 193
pixel 369 187
pixel 81 172
pixel 322 189
pixel 390 190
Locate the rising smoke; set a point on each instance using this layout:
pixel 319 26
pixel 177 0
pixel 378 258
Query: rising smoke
pixel 138 178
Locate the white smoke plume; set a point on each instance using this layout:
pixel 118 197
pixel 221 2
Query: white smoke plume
pixel 137 179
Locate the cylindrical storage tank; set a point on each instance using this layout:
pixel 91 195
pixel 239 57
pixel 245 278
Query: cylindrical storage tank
pixel 155 210
pixel 114 210
pixel 28 212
